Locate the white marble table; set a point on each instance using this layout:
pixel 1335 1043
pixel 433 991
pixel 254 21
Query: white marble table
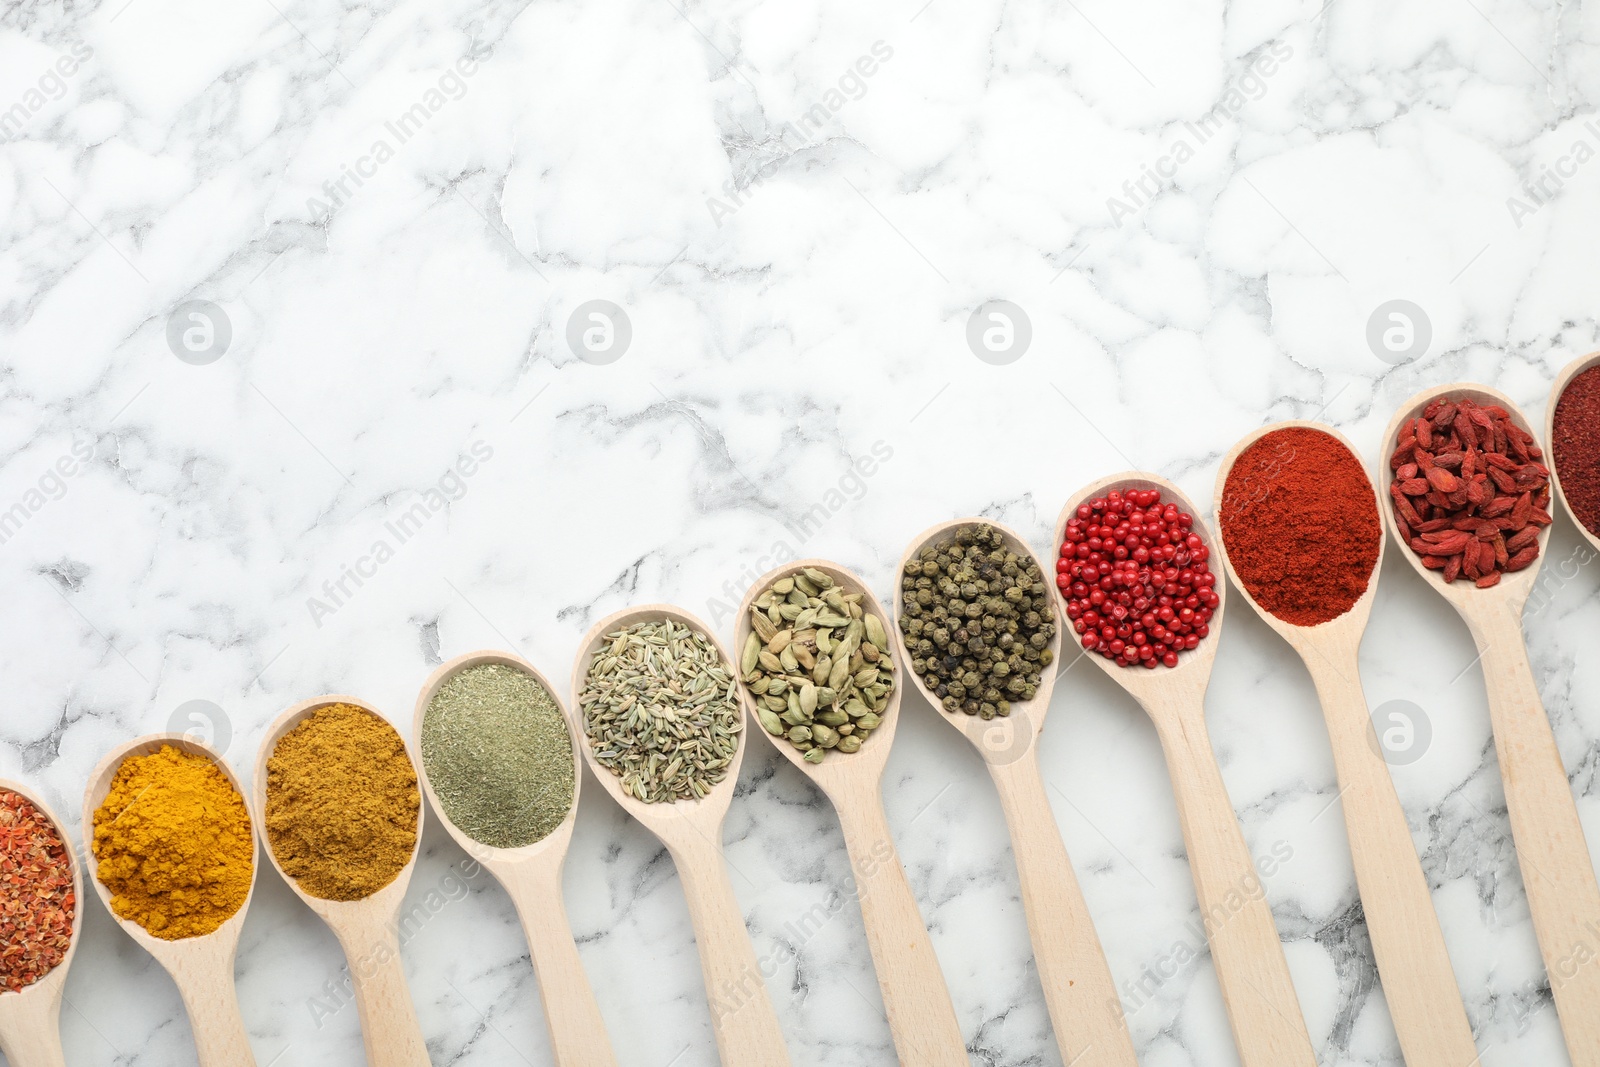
pixel 396 215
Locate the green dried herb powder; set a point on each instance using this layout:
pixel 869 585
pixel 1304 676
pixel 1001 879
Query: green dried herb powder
pixel 498 755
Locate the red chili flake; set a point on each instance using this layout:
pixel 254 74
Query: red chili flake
pixel 1135 579
pixel 1470 493
pixel 36 898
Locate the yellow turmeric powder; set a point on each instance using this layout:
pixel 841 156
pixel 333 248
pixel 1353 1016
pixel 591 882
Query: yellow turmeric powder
pixel 172 839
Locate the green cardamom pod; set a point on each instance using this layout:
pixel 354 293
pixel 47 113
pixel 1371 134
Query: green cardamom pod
pixel 769 661
pixel 752 650
pixel 770 722
pixel 838 672
pixel 801 733
pixel 816 755
pixel 834 719
pixel 780 641
pixel 782 586
pixel 849 744
pixel 765 630
pixel 808 698
pixel 820 579
pixel 825 736
pixel 869 721
pixel 875 631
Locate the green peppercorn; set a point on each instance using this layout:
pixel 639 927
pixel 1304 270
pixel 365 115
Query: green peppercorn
pixel 977 620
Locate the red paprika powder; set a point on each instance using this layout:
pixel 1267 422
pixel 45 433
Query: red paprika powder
pixel 1300 523
pixel 1575 444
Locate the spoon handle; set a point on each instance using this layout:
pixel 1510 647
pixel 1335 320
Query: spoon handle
pixel 205 982
pixel 30 1036
pixel 389 1028
pixel 1078 990
pixel 742 1015
pixel 1268 1028
pixel 577 1031
pixel 1563 895
pixel 921 1016
pixel 1418 983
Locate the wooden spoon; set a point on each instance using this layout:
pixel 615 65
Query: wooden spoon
pixel 30 1018
pixel 1268 1028
pixel 1564 379
pixel 1078 990
pixel 367 929
pixel 922 1019
pixel 742 1014
pixel 531 876
pixel 1419 985
pixel 201 967
pixel 1563 895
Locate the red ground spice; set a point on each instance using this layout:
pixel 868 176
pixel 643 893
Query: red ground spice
pixel 1576 446
pixel 36 897
pixel 1300 523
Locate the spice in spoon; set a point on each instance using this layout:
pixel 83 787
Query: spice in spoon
pixel 1469 493
pixel 1300 521
pixel 977 621
pixel 660 711
pixel 497 753
pixel 817 664
pixel 173 845
pixel 1575 447
pixel 342 803
pixel 37 902
pixel 1135 578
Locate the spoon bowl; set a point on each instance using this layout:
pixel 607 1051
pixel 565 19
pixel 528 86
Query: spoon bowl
pixel 1513 589
pixel 664 818
pixel 1564 379
pixel 497 860
pixel 745 1023
pixel 1257 990
pixel 30 1030
pixel 367 929
pixel 201 967
pixel 1194 666
pixel 1563 894
pixel 1300 638
pixel 1008 737
pixel 531 876
pixel 915 996
pixel 1079 992
pixel 840 773
pixel 1418 982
